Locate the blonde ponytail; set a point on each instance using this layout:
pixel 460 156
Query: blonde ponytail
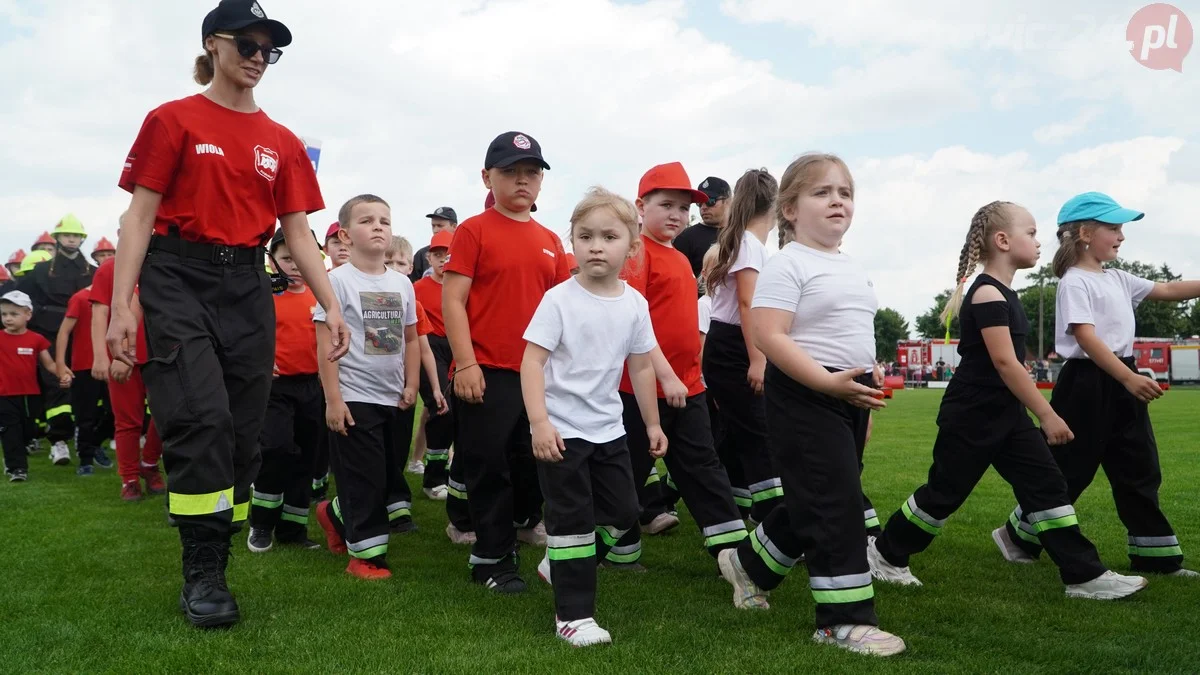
pixel 984 224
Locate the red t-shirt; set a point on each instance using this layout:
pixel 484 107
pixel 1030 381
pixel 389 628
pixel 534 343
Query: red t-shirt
pixel 664 276
pixel 80 308
pixel 511 264
pixel 19 363
pixel 424 326
pixel 295 333
pixel 429 294
pixel 102 291
pixel 225 176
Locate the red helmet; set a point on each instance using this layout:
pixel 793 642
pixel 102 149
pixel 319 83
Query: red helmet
pixel 104 245
pixel 45 239
pixel 16 258
pixel 4 274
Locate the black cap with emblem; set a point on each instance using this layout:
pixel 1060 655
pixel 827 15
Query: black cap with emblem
pixel 444 212
pixel 715 188
pixel 512 147
pixel 235 15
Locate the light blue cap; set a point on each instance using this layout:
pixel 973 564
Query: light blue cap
pixel 1096 206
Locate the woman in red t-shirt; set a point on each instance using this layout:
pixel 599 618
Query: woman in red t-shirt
pixel 210 174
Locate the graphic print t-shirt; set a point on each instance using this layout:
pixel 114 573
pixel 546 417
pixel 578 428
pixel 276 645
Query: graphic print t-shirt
pixel 377 308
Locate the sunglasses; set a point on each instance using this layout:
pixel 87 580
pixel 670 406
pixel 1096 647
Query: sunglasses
pixel 248 47
pixel 713 201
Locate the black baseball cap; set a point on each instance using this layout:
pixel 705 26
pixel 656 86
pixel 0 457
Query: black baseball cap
pixel 444 212
pixel 511 147
pixel 715 188
pixel 237 14
pixel 277 239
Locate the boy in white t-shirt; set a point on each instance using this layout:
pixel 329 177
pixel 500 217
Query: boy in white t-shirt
pixel 367 390
pixel 581 335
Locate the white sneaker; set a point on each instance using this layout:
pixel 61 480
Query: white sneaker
pixel 1181 572
pixel 60 454
pixel 416 467
pixel 860 639
pixel 883 570
pixel 534 536
pixel 141 443
pixel 582 632
pixel 746 595
pixel 1009 549
pixel 662 523
pixel 32 447
pixel 457 536
pixel 544 569
pixel 437 493
pixel 1107 586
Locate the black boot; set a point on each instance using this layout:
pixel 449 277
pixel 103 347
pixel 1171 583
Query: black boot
pixel 205 598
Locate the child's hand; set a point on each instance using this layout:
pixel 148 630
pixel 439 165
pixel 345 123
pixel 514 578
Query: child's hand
pixel 877 375
pixel 100 366
pixel 65 377
pixel 1143 388
pixel 337 417
pixel 119 371
pixel 469 384
pixel 1056 430
pixel 548 446
pixel 842 385
pixel 275 371
pixel 408 397
pixel 675 392
pixel 442 406
pixel 658 441
pixel 756 375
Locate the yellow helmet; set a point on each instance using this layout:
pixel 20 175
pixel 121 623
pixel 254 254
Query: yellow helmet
pixel 33 259
pixel 70 225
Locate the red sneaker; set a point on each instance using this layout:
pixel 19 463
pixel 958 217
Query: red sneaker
pixel 365 569
pixel 131 491
pixel 333 540
pixel 155 484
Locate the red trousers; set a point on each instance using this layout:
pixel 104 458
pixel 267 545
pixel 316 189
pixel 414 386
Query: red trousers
pixel 129 416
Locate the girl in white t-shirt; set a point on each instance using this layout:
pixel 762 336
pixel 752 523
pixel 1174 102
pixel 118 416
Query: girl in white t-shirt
pixel 579 339
pixel 733 367
pixel 1099 392
pixel 814 312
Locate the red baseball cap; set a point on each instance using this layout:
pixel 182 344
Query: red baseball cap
pixel 441 240
pixel 490 201
pixel 669 177
pixel 332 230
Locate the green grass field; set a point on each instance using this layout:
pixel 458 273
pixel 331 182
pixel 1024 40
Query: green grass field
pixel 89 584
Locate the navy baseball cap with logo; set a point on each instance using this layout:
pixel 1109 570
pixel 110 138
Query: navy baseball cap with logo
pixel 511 147
pixel 235 15
pixel 715 188
pixel 444 212
pixel 1096 206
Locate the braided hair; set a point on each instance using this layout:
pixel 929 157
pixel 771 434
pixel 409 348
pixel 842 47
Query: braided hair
pixel 987 221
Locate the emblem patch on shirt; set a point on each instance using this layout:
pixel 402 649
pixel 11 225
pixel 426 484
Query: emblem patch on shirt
pixel 266 162
pixel 521 142
pixel 25 351
pixel 548 252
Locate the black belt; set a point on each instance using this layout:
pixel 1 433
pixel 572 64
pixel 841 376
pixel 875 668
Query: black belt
pixel 216 254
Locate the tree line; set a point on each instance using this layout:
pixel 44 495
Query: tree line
pixel 1154 319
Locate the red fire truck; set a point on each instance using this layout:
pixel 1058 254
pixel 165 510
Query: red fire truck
pixel 1168 360
pixel 913 354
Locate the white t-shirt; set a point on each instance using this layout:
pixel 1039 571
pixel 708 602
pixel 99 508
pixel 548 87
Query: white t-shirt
pixel 832 298
pixel 1105 300
pixel 588 337
pixel 705 307
pixel 752 255
pixel 376 308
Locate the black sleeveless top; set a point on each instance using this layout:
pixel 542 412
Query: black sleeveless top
pixel 976 367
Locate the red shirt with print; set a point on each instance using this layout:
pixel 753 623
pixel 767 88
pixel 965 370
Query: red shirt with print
pixel 664 276
pixel 19 363
pixel 429 294
pixel 79 308
pixel 511 264
pixel 102 290
pixel 225 176
pixel 295 333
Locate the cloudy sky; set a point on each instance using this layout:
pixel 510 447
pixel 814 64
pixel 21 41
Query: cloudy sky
pixel 935 113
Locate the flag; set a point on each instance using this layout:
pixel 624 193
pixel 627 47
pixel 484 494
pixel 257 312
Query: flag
pixel 313 147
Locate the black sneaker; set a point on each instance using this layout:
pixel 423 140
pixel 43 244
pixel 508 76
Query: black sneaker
pixel 84 470
pixel 259 540
pixel 17 476
pixel 205 598
pixel 507 582
pixel 302 542
pixel 100 459
pixel 402 526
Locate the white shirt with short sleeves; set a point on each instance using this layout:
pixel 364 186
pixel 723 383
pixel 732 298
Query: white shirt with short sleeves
pixel 752 255
pixel 1105 300
pixel 588 337
pixel 833 301
pixel 705 311
pixel 376 309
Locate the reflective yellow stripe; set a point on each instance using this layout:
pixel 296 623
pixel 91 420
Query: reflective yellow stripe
pixel 203 505
pixel 241 511
pixel 58 410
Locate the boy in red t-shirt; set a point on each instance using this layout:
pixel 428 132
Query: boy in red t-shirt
pixel 127 393
pixel 21 351
pixel 279 497
pixel 501 264
pixel 89 396
pixel 664 277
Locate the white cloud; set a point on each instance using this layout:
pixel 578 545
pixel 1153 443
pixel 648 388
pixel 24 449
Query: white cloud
pixel 1053 134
